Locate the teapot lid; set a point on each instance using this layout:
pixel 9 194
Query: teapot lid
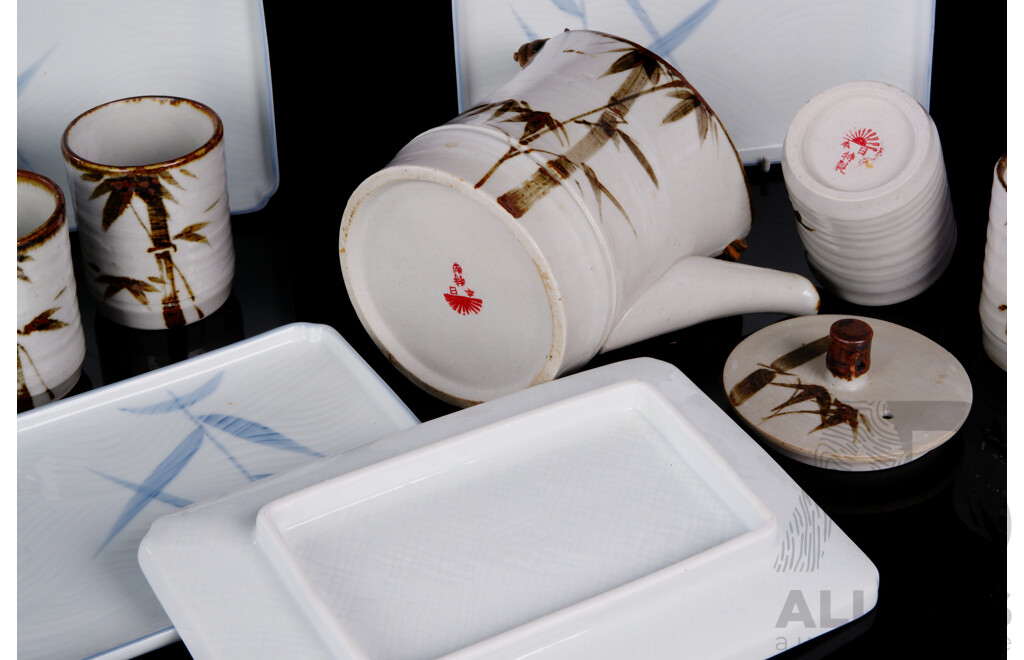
pixel 847 393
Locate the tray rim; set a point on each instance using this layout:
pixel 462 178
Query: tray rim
pixel 211 629
pixel 471 445
pixel 293 336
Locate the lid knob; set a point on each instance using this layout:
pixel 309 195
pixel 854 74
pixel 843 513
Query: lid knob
pixel 849 349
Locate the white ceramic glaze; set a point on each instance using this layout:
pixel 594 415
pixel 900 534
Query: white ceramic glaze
pixel 148 180
pixel 755 62
pixel 863 166
pixel 95 470
pixel 51 344
pixel 73 56
pixel 993 283
pixel 572 211
pixel 408 559
pixel 225 595
pixel 914 397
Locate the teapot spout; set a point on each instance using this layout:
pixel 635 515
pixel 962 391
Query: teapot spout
pixel 699 289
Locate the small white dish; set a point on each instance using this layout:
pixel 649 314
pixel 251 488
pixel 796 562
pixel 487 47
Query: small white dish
pixel 95 470
pixel 569 513
pixel 239 583
pixel 755 63
pixel 74 56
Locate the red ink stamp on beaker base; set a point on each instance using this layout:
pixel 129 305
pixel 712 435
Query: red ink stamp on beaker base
pixel 860 143
pixel 463 304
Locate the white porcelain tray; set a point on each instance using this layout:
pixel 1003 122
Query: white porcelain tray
pixel 73 56
pixel 756 63
pixel 636 520
pixel 602 499
pixel 95 470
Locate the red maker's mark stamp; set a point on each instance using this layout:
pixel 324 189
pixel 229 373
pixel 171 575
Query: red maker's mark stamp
pixel 463 304
pixel 862 143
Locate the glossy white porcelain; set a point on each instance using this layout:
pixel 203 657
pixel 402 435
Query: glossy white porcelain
pixel 574 210
pixel 147 178
pixel 864 170
pixel 51 342
pixel 74 56
pixel 756 63
pixel 993 282
pixel 95 470
pixel 569 513
pixel 632 458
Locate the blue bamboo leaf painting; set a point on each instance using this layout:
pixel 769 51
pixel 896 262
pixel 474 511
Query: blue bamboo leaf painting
pixel 645 20
pixel 253 432
pixel 570 7
pixel 24 78
pixel 180 402
pixel 662 43
pixel 206 426
pixel 165 497
pixel 672 39
pixel 157 480
pixel 530 34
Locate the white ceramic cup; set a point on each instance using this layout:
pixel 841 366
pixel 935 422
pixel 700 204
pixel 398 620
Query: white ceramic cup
pixel 570 212
pixel 863 166
pixel 51 344
pixel 993 282
pixel 149 187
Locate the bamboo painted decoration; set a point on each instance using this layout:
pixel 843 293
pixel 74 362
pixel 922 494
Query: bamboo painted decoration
pixel 51 343
pixel 644 74
pixel 155 226
pixel 575 209
pixel 150 190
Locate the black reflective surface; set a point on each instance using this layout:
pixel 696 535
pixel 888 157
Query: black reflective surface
pixel 350 88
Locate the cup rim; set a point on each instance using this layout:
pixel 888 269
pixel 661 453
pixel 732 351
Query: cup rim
pixel 83 163
pixel 52 224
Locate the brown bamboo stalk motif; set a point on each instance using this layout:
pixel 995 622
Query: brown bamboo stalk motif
pixel 644 72
pixel 148 188
pixel 24 395
pixel 519 200
pixel 173 314
pixel 43 322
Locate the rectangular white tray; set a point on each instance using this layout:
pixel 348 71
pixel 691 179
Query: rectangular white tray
pixel 73 56
pixel 574 511
pixel 756 63
pixel 229 600
pixel 95 470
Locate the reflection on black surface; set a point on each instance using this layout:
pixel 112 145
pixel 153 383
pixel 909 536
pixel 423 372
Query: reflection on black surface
pixel 877 491
pixel 980 487
pixel 699 352
pixel 83 385
pixel 125 352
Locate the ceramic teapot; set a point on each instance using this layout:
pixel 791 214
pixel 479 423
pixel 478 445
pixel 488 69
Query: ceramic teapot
pixel 574 211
